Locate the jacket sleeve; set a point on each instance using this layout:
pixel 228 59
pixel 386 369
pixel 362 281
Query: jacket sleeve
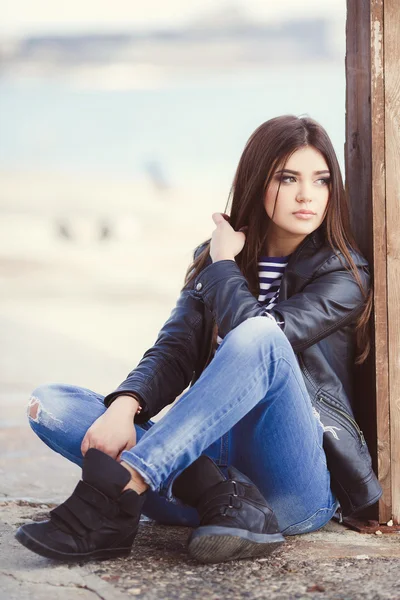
pixel 330 300
pixel 166 369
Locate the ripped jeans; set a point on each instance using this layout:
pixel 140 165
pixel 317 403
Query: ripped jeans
pixel 249 408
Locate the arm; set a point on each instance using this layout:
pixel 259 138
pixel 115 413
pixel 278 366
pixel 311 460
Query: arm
pixel 166 369
pixel 330 300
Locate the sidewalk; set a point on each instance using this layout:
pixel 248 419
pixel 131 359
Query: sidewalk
pixel 332 563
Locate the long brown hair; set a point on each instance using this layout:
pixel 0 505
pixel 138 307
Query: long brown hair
pixel 272 143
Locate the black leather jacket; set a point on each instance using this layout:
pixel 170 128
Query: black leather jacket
pixel 318 303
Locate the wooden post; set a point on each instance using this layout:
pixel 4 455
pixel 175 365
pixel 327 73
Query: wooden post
pixel 392 155
pixel 372 153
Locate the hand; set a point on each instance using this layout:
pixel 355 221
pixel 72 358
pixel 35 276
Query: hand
pixel 226 243
pixel 114 431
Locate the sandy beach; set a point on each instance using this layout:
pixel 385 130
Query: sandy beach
pixel 110 292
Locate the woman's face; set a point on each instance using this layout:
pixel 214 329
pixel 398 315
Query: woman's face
pixel 304 186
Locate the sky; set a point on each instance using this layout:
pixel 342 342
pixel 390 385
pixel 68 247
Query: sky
pixel 22 17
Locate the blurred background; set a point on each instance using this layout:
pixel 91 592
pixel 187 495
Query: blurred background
pixel 121 125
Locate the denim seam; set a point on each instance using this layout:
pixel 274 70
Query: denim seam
pixel 150 478
pixel 230 410
pixel 147 478
pixel 307 399
pixel 320 510
pixel 171 459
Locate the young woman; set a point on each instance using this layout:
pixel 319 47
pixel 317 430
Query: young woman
pixel 271 319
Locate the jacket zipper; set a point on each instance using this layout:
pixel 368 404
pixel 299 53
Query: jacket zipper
pixel 346 416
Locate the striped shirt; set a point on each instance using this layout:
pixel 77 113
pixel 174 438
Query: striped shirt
pixel 270 271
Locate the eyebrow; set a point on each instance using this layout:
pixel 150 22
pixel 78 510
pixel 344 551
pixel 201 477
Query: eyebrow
pixel 298 173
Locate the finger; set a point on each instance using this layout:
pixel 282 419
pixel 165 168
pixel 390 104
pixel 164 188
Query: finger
pixel 130 444
pixel 110 451
pixel 127 446
pixel 218 218
pixel 85 445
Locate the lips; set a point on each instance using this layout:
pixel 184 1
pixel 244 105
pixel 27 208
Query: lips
pixel 304 212
pixel 304 215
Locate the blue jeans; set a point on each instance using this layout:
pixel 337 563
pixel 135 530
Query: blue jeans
pixel 249 408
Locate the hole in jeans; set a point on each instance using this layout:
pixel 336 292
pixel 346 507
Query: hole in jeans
pixel 37 413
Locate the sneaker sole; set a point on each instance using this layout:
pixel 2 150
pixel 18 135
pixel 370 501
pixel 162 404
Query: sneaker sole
pixel 213 544
pixel 43 550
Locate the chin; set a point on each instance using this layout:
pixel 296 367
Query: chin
pixel 301 230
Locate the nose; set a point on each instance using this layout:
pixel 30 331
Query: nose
pixel 303 196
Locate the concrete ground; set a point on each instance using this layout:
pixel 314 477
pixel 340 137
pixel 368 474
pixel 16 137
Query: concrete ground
pixel 332 563
pixel 70 314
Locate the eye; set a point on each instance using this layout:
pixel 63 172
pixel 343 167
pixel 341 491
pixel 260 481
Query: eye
pixel 288 179
pixel 324 180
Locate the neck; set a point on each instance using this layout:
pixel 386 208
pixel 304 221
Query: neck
pixel 277 250
pixel 282 243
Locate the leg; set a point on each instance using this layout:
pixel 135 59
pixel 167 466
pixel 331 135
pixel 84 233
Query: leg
pixel 60 415
pixel 253 375
pixel 278 445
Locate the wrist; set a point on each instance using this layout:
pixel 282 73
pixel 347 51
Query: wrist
pixel 218 258
pixel 126 402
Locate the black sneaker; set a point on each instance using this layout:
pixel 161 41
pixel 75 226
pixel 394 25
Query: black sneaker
pixel 96 522
pixel 235 519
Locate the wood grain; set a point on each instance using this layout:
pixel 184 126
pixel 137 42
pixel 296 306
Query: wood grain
pixel 392 158
pixel 365 183
pixel 379 218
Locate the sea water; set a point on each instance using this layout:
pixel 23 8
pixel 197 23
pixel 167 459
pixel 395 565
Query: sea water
pixel 187 128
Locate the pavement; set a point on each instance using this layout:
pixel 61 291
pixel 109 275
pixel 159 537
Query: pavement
pixel 83 315
pixel 334 563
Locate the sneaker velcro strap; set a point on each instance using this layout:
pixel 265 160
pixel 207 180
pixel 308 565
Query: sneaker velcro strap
pixel 102 503
pixel 128 503
pixel 218 512
pixel 66 521
pixel 220 505
pixel 87 506
pixel 85 514
pixel 220 494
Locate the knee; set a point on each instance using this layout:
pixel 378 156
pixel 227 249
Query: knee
pixel 35 403
pixel 33 408
pixel 257 331
pixel 39 401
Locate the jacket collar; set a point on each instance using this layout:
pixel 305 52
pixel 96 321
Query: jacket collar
pixel 309 246
pixel 314 240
